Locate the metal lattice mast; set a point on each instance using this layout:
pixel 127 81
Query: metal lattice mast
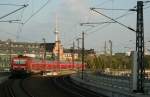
pixel 140 47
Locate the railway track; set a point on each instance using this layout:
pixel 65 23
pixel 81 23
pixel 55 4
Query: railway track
pixel 7 89
pixel 68 86
pixel 25 90
pixel 53 87
pixel 14 88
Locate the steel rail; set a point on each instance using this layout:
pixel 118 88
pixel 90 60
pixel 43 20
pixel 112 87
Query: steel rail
pixel 68 82
pixel 8 89
pixel 58 84
pixel 74 89
pixel 23 88
pixel 11 92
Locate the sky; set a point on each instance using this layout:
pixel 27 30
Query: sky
pixel 70 14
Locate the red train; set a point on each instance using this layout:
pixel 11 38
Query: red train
pixel 28 65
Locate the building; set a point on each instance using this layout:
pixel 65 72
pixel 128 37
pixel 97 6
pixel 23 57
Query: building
pixel 31 49
pixel 69 54
pixel 38 50
pixel 51 51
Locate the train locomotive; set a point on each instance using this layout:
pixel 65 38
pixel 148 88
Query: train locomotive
pixel 26 65
pixel 19 65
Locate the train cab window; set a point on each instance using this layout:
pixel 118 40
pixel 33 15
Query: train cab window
pixel 19 61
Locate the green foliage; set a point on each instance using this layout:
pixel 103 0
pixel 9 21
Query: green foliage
pixel 114 62
pixel 147 62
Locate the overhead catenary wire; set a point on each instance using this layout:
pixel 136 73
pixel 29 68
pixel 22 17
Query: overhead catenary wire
pixel 102 27
pixel 104 2
pixel 21 23
pixel 8 4
pixel 106 25
pixel 113 20
pixel 18 21
pixel 37 11
pixel 147 7
pixel 134 10
pixel 11 21
pixel 76 36
pixel 20 26
pixel 13 11
pixel 115 9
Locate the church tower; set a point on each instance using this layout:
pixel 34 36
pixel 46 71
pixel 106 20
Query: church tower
pixel 58 50
pixel 57 38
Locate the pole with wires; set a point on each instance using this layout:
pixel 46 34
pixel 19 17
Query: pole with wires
pixel 140 48
pixel 10 42
pixel 139 42
pixel 13 11
pixel 44 49
pixel 78 41
pixel 82 53
pixel 73 55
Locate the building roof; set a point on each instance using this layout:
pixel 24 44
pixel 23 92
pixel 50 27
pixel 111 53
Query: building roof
pixel 70 51
pixel 23 46
pixel 49 46
pixel 90 51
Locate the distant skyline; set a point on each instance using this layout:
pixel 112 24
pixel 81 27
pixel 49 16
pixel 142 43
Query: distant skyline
pixel 70 14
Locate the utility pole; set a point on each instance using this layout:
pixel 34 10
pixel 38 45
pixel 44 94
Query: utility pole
pixel 140 48
pixel 139 43
pixel 105 52
pixel 10 51
pixel 110 47
pixel 44 49
pixel 110 50
pixel 78 40
pixel 58 56
pixel 58 51
pixel 73 54
pixel 82 52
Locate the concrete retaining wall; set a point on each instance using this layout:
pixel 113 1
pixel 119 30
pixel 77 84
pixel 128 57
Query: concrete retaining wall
pixel 107 91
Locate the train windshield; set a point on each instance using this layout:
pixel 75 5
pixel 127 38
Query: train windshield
pixel 20 61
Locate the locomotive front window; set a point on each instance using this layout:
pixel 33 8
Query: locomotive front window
pixel 19 61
